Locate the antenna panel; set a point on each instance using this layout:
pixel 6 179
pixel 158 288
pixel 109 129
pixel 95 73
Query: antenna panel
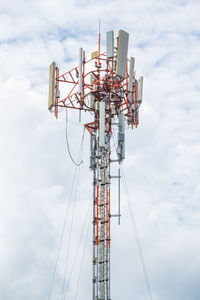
pixel 122 52
pixel 92 152
pixel 137 116
pixel 121 123
pixel 52 70
pixel 101 124
pixel 130 80
pixel 110 44
pixel 140 88
pixel 121 137
pixel 94 54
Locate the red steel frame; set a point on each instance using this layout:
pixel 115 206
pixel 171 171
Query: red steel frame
pixel 72 99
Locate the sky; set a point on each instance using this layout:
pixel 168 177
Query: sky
pixel 162 156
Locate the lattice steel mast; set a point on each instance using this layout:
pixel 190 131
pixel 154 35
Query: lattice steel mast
pixel 106 86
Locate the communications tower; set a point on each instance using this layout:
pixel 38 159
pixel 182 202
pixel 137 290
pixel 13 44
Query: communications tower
pixel 105 85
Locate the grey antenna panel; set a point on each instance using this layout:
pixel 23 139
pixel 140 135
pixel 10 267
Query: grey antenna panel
pixel 122 53
pixel 110 44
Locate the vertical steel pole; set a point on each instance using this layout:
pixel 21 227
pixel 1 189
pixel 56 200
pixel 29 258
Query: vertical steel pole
pixel 101 216
pixel 119 196
pixel 94 237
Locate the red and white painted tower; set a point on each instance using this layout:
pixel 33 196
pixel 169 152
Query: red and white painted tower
pixel 106 86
